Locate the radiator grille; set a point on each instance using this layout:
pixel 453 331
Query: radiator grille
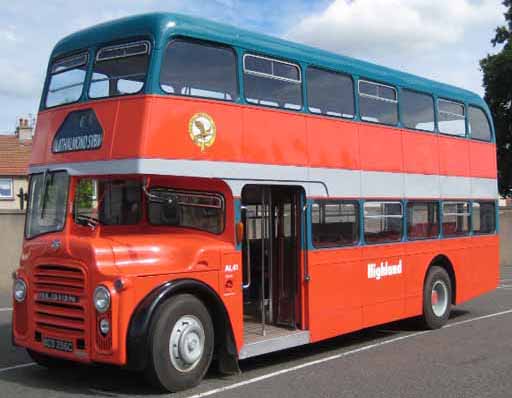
pixel 60 300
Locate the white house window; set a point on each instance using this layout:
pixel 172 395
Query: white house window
pixel 6 189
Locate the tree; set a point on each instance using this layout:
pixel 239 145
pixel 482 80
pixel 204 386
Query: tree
pixel 497 71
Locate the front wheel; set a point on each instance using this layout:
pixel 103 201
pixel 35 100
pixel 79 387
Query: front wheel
pixel 181 344
pixel 437 298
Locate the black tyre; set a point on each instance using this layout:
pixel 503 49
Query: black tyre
pixel 437 298
pixel 181 340
pixel 49 362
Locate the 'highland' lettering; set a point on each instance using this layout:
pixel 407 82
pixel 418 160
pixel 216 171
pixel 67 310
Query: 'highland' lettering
pixel 384 269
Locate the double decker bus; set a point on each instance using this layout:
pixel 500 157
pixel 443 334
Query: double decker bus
pixel 200 193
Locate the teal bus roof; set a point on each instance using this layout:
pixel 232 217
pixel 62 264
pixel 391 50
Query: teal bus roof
pixel 160 26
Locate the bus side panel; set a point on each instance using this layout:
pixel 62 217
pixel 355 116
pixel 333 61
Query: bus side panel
pixel 457 250
pixel 454 156
pixel 421 153
pixel 274 137
pixel 335 292
pixel 482 159
pixel 383 299
pixel 419 255
pixel 485 261
pixel 129 132
pixel 333 144
pixel 168 131
pixel 380 148
pixel 230 290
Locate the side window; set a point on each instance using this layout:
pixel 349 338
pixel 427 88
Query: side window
pixel 330 93
pixel 422 220
pixel 382 222
pixel 451 118
pixel 479 127
pixel 199 70
pixel 484 217
pixel 378 103
pixel 455 218
pixel 417 110
pixel 335 223
pixel 271 82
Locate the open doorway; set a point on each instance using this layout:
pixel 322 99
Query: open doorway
pixel 271 261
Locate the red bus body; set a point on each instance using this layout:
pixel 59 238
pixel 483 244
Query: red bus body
pixel 148 134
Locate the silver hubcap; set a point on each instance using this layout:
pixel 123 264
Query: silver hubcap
pixel 439 298
pixel 186 344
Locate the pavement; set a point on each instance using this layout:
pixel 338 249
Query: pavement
pixel 470 357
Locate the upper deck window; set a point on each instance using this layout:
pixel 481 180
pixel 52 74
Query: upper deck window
pixel 479 126
pixel 451 118
pixel 330 93
pixel 271 82
pixel 417 110
pixel 67 76
pixel 199 69
pixel 378 103
pixel 120 70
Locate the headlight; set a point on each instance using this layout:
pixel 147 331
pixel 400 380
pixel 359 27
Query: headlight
pixel 101 299
pixel 104 326
pixel 20 290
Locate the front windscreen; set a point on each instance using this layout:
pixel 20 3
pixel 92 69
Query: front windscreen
pixel 107 202
pixel 46 211
pixel 120 70
pixel 67 76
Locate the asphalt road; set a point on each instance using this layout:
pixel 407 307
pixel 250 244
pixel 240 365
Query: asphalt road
pixel 471 357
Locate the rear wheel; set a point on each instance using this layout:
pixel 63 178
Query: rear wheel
pixel 437 298
pixel 181 344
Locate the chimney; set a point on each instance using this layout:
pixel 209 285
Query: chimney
pixel 25 129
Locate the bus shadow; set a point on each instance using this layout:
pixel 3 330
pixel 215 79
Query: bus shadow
pixel 354 340
pixel 109 381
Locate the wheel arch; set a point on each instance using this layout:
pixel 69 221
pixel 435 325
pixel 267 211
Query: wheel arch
pixel 444 262
pixel 137 338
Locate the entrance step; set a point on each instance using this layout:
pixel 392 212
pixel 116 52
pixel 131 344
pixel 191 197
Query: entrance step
pixel 275 339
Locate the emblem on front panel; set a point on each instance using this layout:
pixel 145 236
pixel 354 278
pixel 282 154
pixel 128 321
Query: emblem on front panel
pixel 202 130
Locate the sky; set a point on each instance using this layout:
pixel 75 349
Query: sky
pixel 439 39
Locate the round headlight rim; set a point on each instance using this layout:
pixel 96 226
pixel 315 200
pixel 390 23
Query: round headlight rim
pixel 25 288
pixel 106 290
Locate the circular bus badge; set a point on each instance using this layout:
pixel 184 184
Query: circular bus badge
pixel 202 130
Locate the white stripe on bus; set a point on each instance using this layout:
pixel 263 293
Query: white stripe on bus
pixel 317 181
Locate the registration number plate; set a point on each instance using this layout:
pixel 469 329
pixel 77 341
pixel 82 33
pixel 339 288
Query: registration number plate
pixel 57 344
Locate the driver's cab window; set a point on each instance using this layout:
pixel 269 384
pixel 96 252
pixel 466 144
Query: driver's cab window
pixel 108 202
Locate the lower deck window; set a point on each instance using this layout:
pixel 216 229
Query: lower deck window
pixel 203 211
pixel 382 222
pixel 422 220
pixel 335 223
pixel 484 217
pixel 455 218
